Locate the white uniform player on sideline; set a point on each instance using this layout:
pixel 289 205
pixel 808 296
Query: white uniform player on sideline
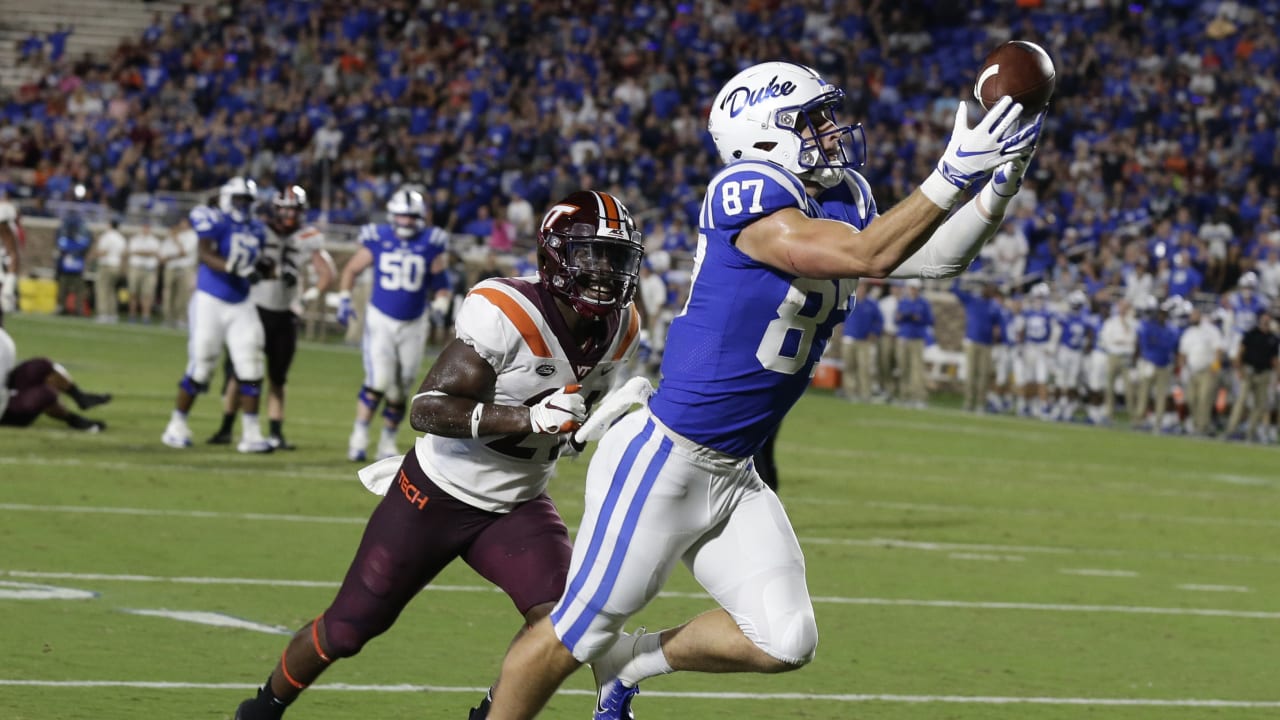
pixel 785 229
pixel 1068 373
pixel 231 242
pixel 1036 355
pixel 408 259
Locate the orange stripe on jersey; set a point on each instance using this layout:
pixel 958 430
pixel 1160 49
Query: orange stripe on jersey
pixel 612 215
pixel 524 324
pixel 633 329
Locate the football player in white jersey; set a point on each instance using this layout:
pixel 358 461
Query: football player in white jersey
pixel 531 356
pixel 231 242
pixel 290 243
pixel 10 259
pixel 409 258
pixel 786 228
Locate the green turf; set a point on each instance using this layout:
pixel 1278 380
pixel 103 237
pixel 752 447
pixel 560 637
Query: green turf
pixel 948 555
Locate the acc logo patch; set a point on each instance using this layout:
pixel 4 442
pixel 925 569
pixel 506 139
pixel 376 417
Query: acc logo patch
pixel 546 370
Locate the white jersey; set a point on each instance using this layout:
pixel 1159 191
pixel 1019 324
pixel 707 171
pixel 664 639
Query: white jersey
pixel 507 322
pixel 287 252
pixel 8 361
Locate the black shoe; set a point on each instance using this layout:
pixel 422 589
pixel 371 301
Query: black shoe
pixel 83 423
pixel 90 400
pixel 220 438
pixel 482 712
pixel 279 443
pixel 255 709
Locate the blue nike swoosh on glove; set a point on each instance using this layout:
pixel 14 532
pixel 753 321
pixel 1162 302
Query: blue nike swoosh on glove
pixel 961 153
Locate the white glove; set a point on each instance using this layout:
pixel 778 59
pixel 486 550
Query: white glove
pixel 311 294
pixel 561 411
pixel 635 391
pixel 1005 183
pixel 974 152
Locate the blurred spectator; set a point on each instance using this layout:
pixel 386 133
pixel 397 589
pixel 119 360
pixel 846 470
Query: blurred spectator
pixel 981 318
pixel 862 330
pixel 1200 357
pixel 109 252
pixel 1157 348
pixel 1255 362
pixel 888 360
pixel 144 262
pixel 914 318
pixel 178 255
pixel 73 245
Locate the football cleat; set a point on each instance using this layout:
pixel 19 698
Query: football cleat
pixel 176 435
pixel 356 454
pixel 387 448
pixel 91 400
pixel 481 712
pixel 613 701
pixel 220 438
pixel 254 446
pixel 279 443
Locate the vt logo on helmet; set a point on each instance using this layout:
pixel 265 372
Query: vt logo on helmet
pixel 589 252
pixel 786 114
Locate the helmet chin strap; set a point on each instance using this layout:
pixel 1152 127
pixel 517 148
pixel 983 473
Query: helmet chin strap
pixel 827 177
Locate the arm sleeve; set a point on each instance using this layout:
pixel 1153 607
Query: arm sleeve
pixel 952 247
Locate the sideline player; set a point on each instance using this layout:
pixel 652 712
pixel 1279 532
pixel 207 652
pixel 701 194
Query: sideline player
pixel 783 229
pixel 231 242
pixel 409 258
pixel 288 241
pixel 531 356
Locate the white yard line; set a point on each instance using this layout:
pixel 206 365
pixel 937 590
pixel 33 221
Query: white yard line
pixel 1042 512
pixel 1095 572
pixel 831 600
pixel 986 556
pixel 821 697
pixel 1215 588
pixel 922 545
pixel 231 465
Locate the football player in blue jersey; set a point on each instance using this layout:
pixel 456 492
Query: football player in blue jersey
pixel 1037 344
pixel 230 250
pixel 786 228
pixel 408 258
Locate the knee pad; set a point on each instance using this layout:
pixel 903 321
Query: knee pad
pixel 192 387
pixel 393 412
pixel 251 388
pixel 369 397
pixel 342 639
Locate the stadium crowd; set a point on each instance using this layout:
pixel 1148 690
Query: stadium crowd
pixel 1153 188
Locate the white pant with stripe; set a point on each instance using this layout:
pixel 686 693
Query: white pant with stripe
pixel 654 498
pixel 215 322
pixel 393 351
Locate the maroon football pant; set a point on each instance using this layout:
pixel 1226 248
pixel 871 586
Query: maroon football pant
pixel 417 530
pixel 31 395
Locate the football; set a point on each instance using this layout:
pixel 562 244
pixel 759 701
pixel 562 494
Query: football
pixel 1020 69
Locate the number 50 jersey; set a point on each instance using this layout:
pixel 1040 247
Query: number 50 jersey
pixel 742 351
pixel 402 277
pixel 515 326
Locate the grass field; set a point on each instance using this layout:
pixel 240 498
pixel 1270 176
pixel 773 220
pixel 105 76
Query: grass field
pixel 961 567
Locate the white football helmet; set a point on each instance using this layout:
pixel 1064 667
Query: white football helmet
pixel 1248 280
pixel 785 113
pixel 236 198
pixel 407 212
pixel 1077 299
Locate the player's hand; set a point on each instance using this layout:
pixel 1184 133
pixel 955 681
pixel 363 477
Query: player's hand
pixel 1007 179
pixel 345 311
pixel 561 411
pixel 974 152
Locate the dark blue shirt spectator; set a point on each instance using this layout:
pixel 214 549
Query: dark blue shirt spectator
pixel 864 320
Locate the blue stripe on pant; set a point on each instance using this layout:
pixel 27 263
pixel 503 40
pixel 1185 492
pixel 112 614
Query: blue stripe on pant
pixel 619 552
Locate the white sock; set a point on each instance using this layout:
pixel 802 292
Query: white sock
pixel 647 659
pixel 250 428
pixel 361 426
pixel 389 434
pixel 178 416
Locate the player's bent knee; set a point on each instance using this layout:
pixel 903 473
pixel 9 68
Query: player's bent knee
pixel 251 388
pixel 793 645
pixel 344 639
pixel 369 397
pixel 191 387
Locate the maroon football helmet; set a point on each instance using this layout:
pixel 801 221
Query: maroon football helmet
pixel 589 252
pixel 289 208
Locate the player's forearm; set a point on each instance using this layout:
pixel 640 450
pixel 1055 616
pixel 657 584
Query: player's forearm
pixel 953 245
pixel 899 234
pixel 452 416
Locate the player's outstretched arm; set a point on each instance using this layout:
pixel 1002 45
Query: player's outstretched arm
pixel 791 241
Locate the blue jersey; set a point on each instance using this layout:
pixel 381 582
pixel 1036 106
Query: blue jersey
pixel 864 320
pixel 1075 331
pixel 1037 326
pixel 1245 311
pixel 402 277
pixel 1157 343
pixel 239 243
pixel 742 351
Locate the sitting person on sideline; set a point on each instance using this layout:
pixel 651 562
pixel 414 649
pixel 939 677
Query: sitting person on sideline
pixel 31 388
